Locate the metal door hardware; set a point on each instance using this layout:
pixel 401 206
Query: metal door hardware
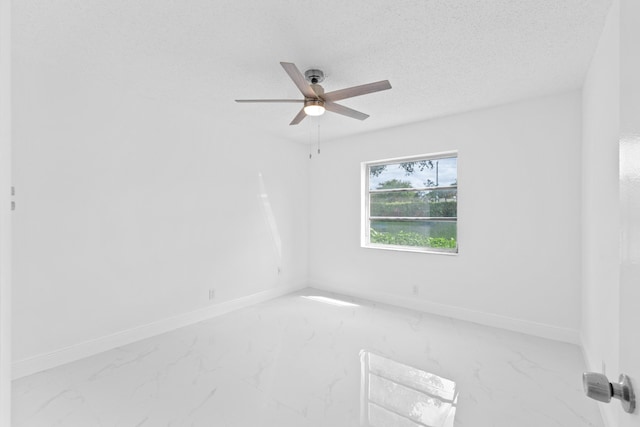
pixel 598 387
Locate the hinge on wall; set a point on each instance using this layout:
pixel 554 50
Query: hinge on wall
pixel 13 203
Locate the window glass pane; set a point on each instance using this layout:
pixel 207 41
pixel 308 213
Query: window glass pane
pixel 416 174
pixel 441 203
pixel 399 192
pixel 429 234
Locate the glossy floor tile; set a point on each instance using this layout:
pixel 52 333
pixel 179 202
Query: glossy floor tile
pixel 316 359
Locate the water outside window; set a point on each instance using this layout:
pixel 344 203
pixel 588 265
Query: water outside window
pixel 414 203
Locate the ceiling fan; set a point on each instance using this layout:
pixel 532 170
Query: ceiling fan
pixel 316 101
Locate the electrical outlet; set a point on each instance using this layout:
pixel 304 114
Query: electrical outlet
pixel 212 294
pixel 416 291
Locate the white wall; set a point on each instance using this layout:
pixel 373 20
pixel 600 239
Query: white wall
pixel 600 205
pixel 132 208
pixel 519 218
pixel 5 213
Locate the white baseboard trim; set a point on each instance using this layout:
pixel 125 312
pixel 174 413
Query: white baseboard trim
pixel 542 330
pixel 79 351
pixel 606 410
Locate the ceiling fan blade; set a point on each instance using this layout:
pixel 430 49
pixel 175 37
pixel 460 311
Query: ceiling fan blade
pixel 345 111
pixel 298 118
pixel 298 79
pixel 269 100
pixel 350 92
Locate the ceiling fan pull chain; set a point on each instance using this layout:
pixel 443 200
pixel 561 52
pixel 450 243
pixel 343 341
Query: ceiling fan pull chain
pixel 318 137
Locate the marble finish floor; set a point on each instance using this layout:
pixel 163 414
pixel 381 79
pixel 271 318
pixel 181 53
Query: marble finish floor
pixel 316 359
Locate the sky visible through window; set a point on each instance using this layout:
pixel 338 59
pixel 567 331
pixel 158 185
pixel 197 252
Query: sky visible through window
pixel 447 172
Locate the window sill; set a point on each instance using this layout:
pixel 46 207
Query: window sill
pixel 410 249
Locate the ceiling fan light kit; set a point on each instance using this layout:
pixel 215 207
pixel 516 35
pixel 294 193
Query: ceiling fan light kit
pixel 314 107
pixel 316 101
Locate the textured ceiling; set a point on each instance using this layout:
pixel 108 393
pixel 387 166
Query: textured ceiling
pixel 441 56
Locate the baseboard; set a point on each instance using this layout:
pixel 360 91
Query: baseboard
pixel 79 351
pixel 488 319
pixel 606 411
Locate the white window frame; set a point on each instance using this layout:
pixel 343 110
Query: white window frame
pixel 365 238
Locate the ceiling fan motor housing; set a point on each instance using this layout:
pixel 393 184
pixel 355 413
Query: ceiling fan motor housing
pixel 318 102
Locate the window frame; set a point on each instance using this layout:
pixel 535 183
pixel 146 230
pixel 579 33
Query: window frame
pixel 365 236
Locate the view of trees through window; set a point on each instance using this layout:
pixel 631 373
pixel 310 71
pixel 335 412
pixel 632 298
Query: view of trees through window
pixel 414 203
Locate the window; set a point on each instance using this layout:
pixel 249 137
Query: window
pixel 411 203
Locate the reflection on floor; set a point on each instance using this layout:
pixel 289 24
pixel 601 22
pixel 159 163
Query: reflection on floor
pixel 394 394
pixel 315 359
